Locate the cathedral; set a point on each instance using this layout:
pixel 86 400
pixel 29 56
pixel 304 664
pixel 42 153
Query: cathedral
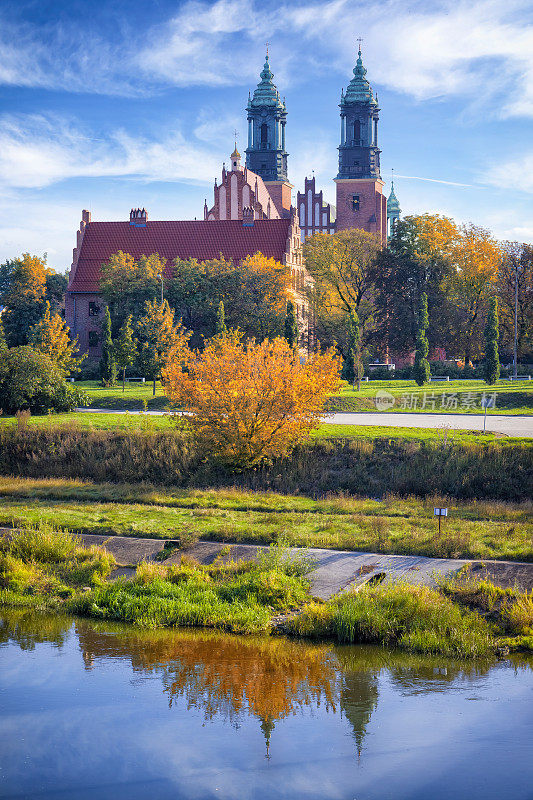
pixel 261 187
pixel 252 209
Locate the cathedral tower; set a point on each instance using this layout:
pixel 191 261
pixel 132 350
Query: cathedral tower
pixel 360 199
pixel 393 211
pixel 266 154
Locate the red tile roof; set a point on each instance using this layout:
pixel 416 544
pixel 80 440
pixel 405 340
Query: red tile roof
pixel 198 239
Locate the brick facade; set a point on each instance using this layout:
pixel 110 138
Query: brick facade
pixel 203 240
pixel 362 204
pixel 314 215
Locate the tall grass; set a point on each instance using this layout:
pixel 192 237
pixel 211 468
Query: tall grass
pixel 371 468
pixel 417 619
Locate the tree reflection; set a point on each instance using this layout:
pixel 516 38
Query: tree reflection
pixel 232 677
pixel 266 677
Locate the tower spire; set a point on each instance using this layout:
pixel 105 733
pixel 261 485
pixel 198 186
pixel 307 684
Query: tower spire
pixel 267 115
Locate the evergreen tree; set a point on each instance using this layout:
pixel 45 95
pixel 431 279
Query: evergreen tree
pixel 221 329
pixel 125 348
pixel 291 332
pixel 108 367
pixel 50 335
pixel 492 358
pixel 3 343
pixel 352 369
pixel 422 373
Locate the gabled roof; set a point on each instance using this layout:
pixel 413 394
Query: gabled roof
pixel 175 239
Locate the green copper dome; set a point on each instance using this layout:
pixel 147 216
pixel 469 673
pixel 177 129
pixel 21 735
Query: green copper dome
pixel 266 93
pixel 393 205
pixel 359 89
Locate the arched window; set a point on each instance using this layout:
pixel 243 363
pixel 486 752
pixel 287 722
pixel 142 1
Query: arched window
pixel 356 130
pixel 264 133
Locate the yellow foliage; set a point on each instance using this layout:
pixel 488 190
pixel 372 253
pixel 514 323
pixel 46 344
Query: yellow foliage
pixel 340 264
pixel 51 336
pixel 273 277
pixel 247 402
pixel 29 281
pixel 122 273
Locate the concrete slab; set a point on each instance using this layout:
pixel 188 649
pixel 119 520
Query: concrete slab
pixel 335 571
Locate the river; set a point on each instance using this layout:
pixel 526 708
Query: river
pixel 98 710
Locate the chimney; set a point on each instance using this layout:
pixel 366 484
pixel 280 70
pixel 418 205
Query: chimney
pixel 138 217
pixel 247 217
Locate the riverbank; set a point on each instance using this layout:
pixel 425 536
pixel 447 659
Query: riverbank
pixel 50 570
pixel 500 469
pixel 388 525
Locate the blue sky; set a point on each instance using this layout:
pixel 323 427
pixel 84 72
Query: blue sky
pixel 111 104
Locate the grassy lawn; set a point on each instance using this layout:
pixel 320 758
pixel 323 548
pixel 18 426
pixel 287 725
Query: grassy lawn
pixel 513 397
pixel 394 525
pixel 457 397
pixel 132 398
pixel 153 424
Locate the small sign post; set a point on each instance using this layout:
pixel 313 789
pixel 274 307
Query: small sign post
pixel 440 512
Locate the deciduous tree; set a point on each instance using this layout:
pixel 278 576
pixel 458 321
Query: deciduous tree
pixel 22 293
pixel 254 294
pixel 159 337
pixel 250 402
pixel 341 265
pixel 29 379
pixel 50 335
pixel 515 284
pixel 125 348
pixel 127 284
pixel 475 258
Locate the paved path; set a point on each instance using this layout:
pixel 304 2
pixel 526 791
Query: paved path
pixel 335 570
pixel 497 423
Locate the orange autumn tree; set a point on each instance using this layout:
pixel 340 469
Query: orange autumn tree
pixel 249 402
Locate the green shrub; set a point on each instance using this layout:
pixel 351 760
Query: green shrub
pixel 30 380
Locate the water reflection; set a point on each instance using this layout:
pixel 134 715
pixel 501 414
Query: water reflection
pixel 233 677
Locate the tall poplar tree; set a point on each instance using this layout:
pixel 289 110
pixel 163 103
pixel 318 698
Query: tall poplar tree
pixel 422 373
pixel 352 369
pixel 492 357
pixel 221 329
pixel 108 367
pixel 291 333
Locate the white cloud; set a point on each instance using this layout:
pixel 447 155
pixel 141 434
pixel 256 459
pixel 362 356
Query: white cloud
pixel 480 50
pixel 516 172
pixel 37 151
pixel 477 49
